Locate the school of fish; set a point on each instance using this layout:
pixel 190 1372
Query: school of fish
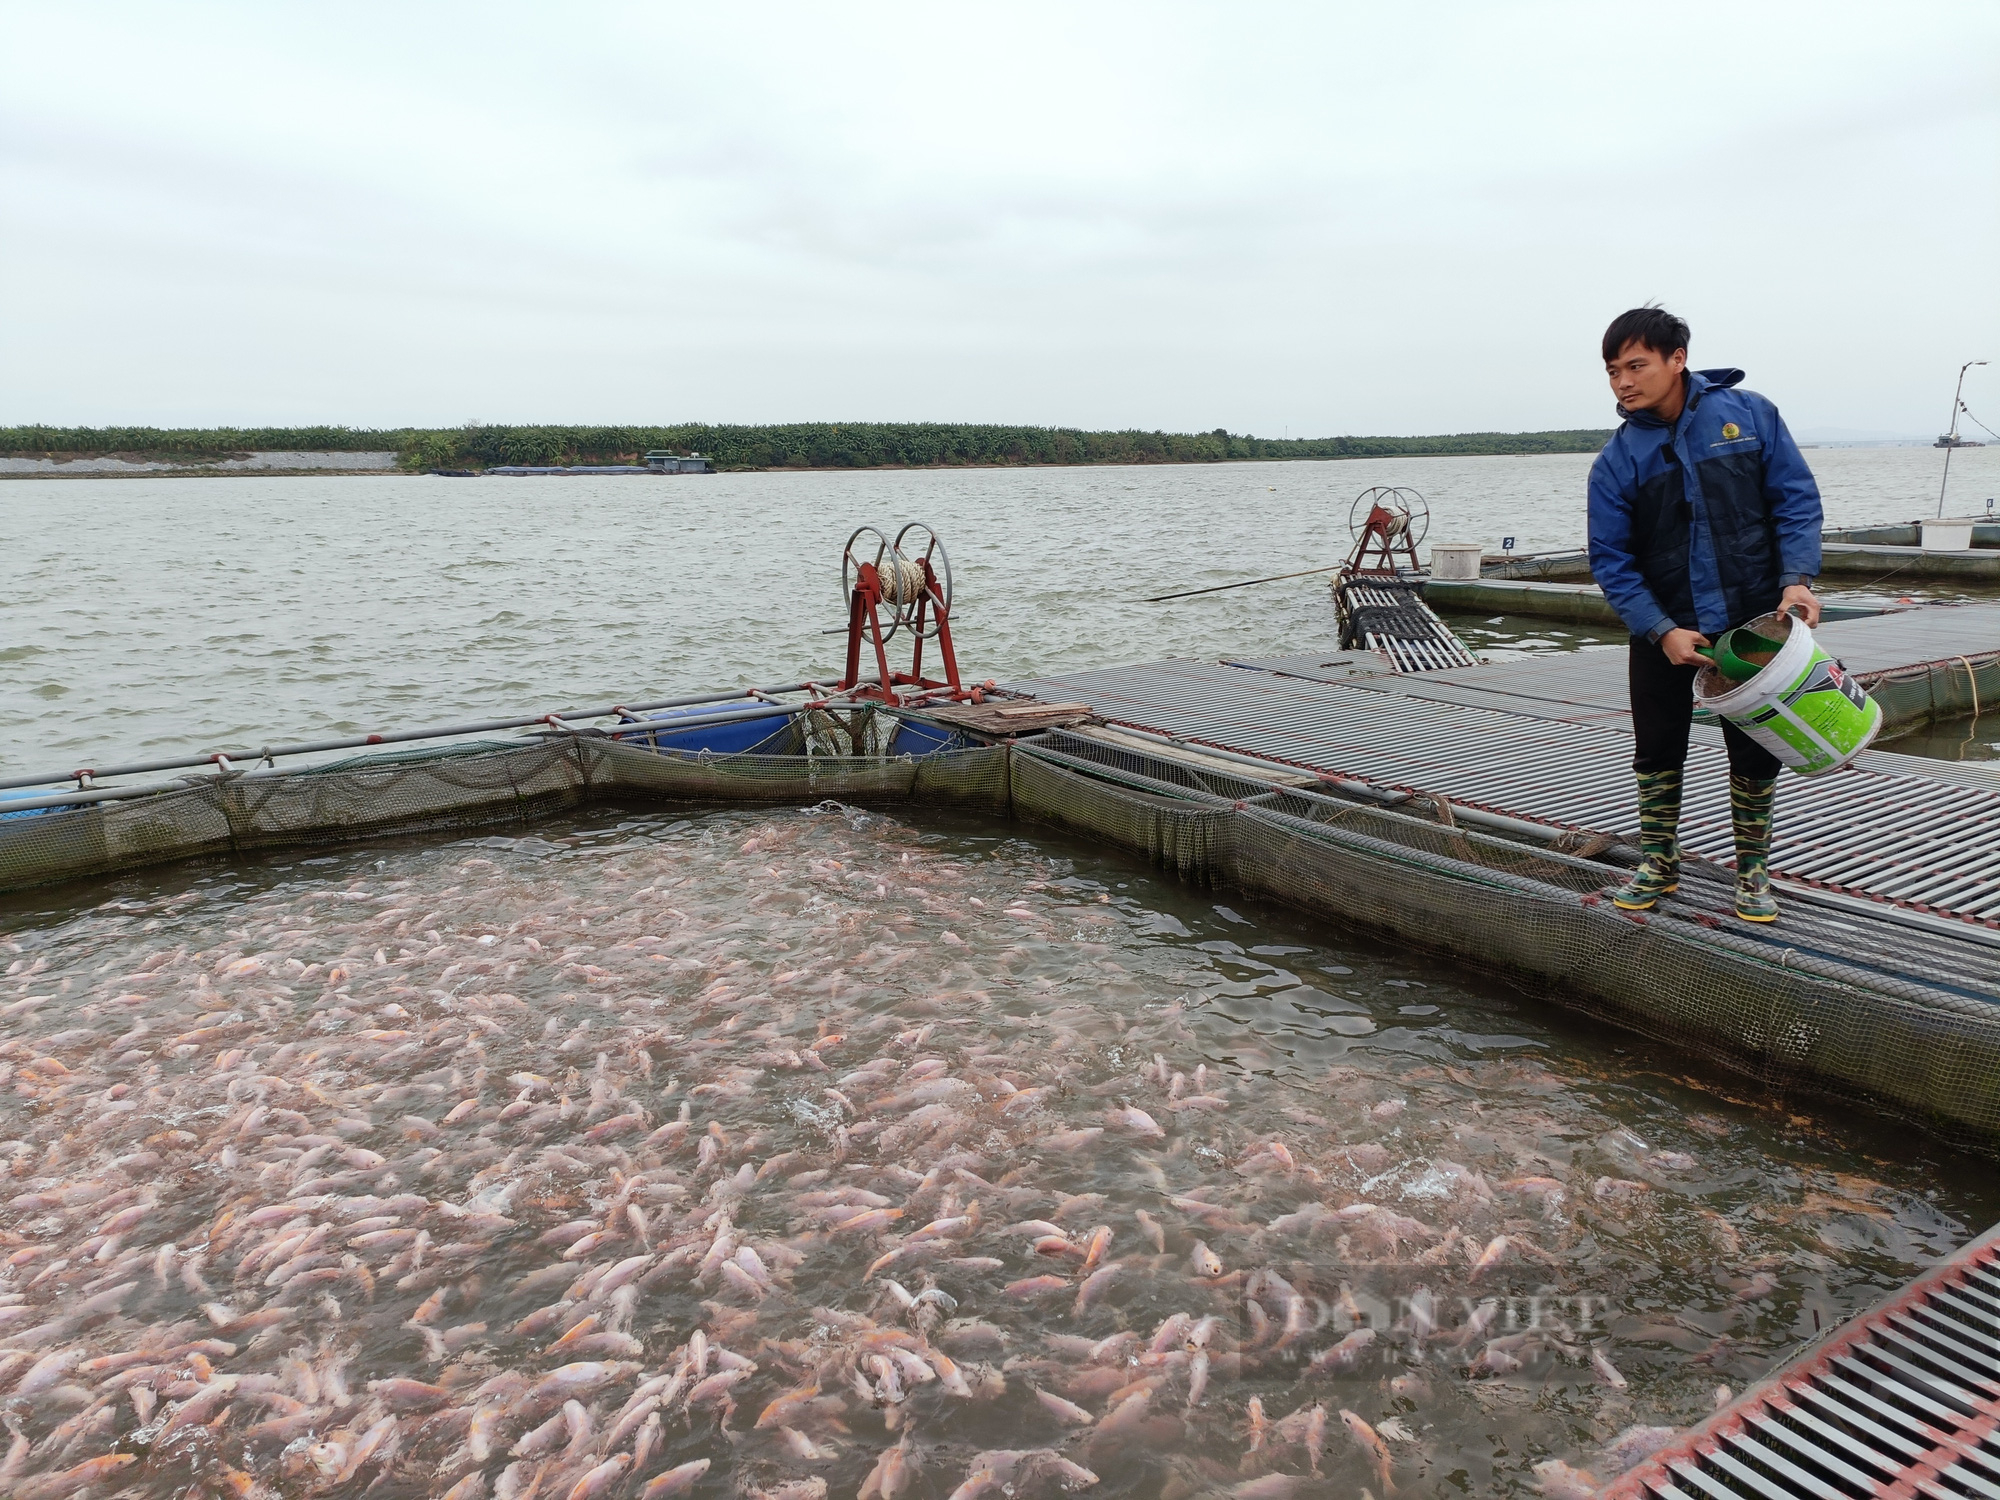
pixel 803 1153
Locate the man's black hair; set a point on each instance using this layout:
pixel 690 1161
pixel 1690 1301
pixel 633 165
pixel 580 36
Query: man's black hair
pixel 1655 327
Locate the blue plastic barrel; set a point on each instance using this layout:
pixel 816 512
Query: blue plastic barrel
pixel 912 738
pixel 26 812
pixel 718 739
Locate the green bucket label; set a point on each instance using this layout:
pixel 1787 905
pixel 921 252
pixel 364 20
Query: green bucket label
pixel 1855 692
pixel 1817 722
pixel 1827 703
pixel 1780 726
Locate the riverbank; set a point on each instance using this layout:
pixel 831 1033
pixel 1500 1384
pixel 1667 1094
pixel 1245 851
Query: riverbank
pixel 52 451
pixel 175 466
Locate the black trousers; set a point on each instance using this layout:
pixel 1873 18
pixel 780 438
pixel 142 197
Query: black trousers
pixel 1662 709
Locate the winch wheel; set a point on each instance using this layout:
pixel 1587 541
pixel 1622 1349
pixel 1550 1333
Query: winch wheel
pixel 850 570
pixel 1409 512
pixel 933 552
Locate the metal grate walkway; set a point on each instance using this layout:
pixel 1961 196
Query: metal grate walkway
pixel 1914 840
pixel 1589 685
pixel 1389 615
pixel 1902 1401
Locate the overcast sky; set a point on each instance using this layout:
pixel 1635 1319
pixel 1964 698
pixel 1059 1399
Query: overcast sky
pixel 1317 219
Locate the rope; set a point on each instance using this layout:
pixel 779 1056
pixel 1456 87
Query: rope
pixel 1976 422
pixel 1972 678
pixel 902 580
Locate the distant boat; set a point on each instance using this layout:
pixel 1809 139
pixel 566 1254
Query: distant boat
pixel 662 461
pixel 657 462
pixel 1951 439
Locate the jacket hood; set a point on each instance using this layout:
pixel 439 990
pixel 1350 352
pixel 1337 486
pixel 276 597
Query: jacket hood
pixel 1696 381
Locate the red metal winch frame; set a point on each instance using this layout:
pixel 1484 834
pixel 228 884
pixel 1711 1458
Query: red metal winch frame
pixel 926 616
pixel 1386 524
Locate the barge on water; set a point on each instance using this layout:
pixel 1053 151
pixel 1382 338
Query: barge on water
pixel 660 461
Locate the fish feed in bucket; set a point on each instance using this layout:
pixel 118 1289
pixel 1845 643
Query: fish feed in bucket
pixel 1740 654
pixel 1803 706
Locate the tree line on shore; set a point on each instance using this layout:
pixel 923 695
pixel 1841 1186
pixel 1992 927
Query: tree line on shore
pixel 815 445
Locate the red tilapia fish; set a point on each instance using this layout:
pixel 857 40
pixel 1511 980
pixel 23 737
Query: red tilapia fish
pixel 787 1155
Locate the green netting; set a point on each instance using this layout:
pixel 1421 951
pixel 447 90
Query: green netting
pixel 1188 837
pixel 376 759
pixel 1830 1004
pixel 973 777
pixel 409 792
pixel 1780 1013
pixel 1175 780
pixel 395 793
pixel 1935 692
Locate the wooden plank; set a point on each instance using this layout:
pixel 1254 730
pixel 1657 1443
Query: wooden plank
pixel 1011 717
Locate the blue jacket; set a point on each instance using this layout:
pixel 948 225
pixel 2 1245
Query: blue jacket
pixel 1705 524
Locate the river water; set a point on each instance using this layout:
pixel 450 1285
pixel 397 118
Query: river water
pixel 147 616
pixel 814 1146
pixel 818 1152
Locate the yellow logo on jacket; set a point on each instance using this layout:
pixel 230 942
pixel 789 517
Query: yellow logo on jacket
pixel 1731 432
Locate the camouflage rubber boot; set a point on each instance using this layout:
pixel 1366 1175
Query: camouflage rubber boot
pixel 1659 869
pixel 1750 811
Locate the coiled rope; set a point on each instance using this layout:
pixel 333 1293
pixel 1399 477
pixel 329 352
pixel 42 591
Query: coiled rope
pixel 902 580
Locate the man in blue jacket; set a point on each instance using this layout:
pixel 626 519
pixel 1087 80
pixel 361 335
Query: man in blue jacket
pixel 1703 515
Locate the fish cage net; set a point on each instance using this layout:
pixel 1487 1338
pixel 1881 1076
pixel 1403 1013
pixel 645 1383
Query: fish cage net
pixel 1830 1002
pixel 1937 691
pixel 463 787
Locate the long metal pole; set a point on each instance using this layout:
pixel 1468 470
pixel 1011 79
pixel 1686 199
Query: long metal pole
pixel 393 737
pixel 1951 433
pixel 665 727
pixel 1218 588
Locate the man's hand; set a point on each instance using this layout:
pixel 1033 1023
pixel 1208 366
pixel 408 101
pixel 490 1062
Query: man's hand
pixel 1800 601
pixel 1679 646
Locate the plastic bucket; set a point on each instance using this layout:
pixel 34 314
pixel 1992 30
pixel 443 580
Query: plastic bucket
pixel 1803 707
pixel 1949 535
pixel 1733 646
pixel 1456 559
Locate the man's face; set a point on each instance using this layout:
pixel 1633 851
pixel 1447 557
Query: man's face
pixel 1643 378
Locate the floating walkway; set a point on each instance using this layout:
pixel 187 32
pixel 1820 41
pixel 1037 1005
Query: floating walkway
pixel 1547 741
pixel 1901 1401
pixel 1391 617
pixel 1903 562
pixel 1924 665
